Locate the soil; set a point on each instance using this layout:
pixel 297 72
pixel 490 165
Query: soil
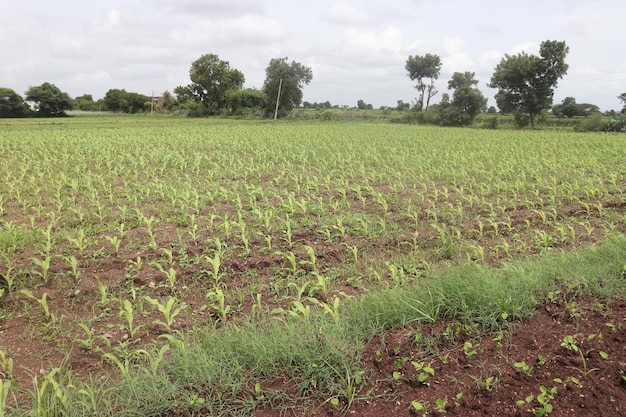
pixel 483 380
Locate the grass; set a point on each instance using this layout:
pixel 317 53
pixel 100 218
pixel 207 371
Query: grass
pixel 216 371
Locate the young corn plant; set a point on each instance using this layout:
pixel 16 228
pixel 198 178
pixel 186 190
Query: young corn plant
pixel 169 310
pixel 218 304
pixel 127 313
pixel 44 267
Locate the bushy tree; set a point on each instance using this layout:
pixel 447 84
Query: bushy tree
pixel 116 100
pixel 49 100
pixel 290 78
pixel 569 108
pixel 211 79
pixel 419 68
pixel 526 82
pixel 12 104
pixel 246 100
pixel 467 100
pixel 85 103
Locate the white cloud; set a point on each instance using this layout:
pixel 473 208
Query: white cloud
pixel 357 49
pixel 346 14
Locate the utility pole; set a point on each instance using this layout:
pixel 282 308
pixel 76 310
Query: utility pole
pixel 280 87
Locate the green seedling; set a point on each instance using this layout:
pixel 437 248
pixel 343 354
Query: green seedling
pixel 5 389
pixel 544 398
pixel 420 407
pixel 154 359
pixel 73 263
pixel 44 267
pixel 440 405
pixel 168 310
pixel 569 343
pixel 424 371
pixel 87 343
pixel 6 365
pixel 115 242
pixel 215 263
pixel 80 241
pixel 218 303
pixel 170 275
pixel 128 314
pixel 469 349
pixel 524 368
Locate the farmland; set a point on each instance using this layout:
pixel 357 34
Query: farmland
pixel 129 245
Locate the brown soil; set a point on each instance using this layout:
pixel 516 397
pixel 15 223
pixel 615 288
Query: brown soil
pixel 483 380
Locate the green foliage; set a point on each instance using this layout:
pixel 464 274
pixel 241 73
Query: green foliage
pixel 592 123
pixel 211 80
pixel 12 104
pixel 49 100
pixel 116 100
pixel 294 77
pixel 526 83
pixel 420 67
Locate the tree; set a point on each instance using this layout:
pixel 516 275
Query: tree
pixel 526 82
pixel 211 78
pixel 246 100
pixel 467 100
pixel 622 98
pixel 290 79
pixel 420 67
pixel 49 100
pixel 362 105
pixel 569 108
pixel 12 104
pixel 85 103
pixel 115 100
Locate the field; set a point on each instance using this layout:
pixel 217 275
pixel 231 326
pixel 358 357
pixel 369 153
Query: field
pixel 164 266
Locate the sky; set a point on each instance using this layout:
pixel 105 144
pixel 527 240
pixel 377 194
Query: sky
pixel 357 49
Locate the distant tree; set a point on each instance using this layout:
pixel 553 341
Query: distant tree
pixel 492 110
pixel 137 103
pixel 211 78
pixel 526 82
pixel 166 103
pixel 569 108
pixel 249 99
pixel 622 98
pixel 401 106
pixel 290 78
pixel 467 100
pixel 362 105
pixel 85 103
pixel 12 104
pixel 419 68
pixel 49 100
pixel 115 100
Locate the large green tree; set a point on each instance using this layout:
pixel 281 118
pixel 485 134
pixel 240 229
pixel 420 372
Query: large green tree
pixel 12 104
pixel 49 100
pixel 526 82
pixel 86 103
pixel 290 79
pixel 211 79
pixel 420 68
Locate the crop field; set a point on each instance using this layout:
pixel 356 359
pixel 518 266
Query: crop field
pixel 131 246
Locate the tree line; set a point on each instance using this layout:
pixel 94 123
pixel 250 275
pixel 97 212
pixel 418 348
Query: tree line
pixel 525 88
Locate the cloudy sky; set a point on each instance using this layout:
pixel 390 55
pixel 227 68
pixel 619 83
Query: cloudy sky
pixel 356 48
